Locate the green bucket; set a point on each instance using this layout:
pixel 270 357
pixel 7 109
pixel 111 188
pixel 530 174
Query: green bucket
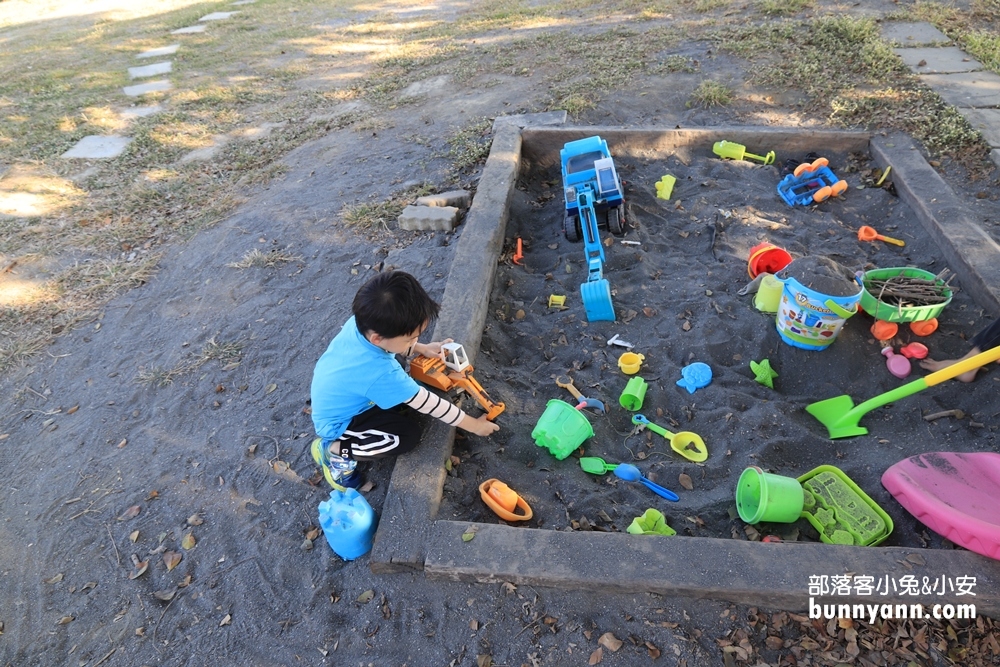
pixel 561 429
pixel 761 496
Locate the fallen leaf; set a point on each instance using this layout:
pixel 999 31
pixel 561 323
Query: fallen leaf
pixel 140 569
pixel 610 642
pixel 54 580
pixel 188 542
pixel 165 595
pixel 469 533
pixel 130 513
pixel 916 559
pixel 484 661
pixel 686 326
pixel 366 597
pixel 87 586
pixel 648 312
pixel 312 533
pixel 133 536
pixel 520 314
pixel 654 652
pixel 153 495
pixel 4 436
pixel 271 387
pixel 596 657
pixel 226 620
pixel 73 409
pixel 474 625
pixel 171 559
pixel 123 443
pixel 64 620
pixel 195 520
pixel 685 481
pixel 366 487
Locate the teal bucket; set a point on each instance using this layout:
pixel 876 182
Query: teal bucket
pixel 810 320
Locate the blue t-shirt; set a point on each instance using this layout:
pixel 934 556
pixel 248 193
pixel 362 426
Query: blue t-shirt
pixel 352 376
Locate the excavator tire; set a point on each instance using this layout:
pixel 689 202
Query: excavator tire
pixel 571 228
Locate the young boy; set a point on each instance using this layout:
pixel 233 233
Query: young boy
pixel 987 339
pixel 358 386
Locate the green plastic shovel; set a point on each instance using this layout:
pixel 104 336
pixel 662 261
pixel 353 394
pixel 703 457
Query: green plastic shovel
pixel 595 465
pixel 840 416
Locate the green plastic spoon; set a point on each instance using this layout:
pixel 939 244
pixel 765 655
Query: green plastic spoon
pixel 595 465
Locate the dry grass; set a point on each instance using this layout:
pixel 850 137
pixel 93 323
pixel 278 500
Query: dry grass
pixel 258 259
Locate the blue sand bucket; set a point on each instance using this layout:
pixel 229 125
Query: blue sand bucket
pixel 810 320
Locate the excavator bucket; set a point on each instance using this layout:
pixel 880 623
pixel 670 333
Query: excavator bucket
pixel 596 297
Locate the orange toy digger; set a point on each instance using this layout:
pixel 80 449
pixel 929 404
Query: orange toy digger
pixel 454 372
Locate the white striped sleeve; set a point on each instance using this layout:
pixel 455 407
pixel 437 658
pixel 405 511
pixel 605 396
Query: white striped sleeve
pixel 433 405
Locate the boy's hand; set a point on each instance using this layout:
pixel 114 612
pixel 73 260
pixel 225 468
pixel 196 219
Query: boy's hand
pixel 479 425
pixel 432 349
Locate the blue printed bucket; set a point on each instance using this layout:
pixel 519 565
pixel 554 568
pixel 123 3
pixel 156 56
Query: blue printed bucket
pixel 810 320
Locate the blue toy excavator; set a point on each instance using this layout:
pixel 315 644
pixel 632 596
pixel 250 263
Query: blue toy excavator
pixel 591 187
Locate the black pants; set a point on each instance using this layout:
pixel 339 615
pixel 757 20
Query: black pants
pixel 378 433
pixel 988 338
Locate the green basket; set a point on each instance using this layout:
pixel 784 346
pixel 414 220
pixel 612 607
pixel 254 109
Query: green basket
pixel 883 311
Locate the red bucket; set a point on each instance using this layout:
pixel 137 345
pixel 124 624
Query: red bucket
pixel 767 258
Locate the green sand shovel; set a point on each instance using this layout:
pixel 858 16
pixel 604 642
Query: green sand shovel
pixel 595 465
pixel 840 416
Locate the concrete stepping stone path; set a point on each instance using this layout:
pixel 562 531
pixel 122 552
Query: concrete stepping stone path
pixel 98 147
pixel 954 75
pixel 151 87
pixel 150 70
pixel 217 16
pixel 160 52
pixel 140 112
pixel 188 30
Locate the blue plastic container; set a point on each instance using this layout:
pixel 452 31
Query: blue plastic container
pixel 348 522
pixel 810 320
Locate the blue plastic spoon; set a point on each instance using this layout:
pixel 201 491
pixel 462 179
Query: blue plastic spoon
pixel 630 473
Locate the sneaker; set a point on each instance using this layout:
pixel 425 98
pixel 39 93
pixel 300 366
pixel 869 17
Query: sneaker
pixel 340 472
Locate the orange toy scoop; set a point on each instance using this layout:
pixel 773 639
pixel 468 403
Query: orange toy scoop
pixel 504 501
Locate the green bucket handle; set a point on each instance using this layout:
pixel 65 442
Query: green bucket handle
pixel 840 310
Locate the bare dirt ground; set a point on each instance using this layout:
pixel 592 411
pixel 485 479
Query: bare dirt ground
pixel 174 425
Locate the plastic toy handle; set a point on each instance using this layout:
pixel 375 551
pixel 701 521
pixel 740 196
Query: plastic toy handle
pixel 889 239
pixel 659 490
pixel 957 369
pixel 840 310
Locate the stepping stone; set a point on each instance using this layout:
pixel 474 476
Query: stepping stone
pixel 421 218
pixel 986 121
pixel 968 89
pixel 140 112
pixel 151 87
pixel 243 2
pixel 938 60
pixel 208 152
pixel 162 51
pixel 98 147
pixel 217 16
pixel 914 34
pixel 149 70
pixel 188 30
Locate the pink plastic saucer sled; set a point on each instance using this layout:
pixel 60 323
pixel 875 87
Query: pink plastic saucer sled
pixel 953 494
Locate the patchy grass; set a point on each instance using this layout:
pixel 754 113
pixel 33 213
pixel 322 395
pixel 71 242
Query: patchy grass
pixel 710 94
pixel 850 74
pixel 783 7
pixel 264 260
pixel 470 146
pixel 226 353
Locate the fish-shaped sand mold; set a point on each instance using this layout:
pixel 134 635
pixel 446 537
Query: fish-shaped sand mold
pixel 695 376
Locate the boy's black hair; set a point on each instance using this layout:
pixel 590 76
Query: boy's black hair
pixel 393 304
